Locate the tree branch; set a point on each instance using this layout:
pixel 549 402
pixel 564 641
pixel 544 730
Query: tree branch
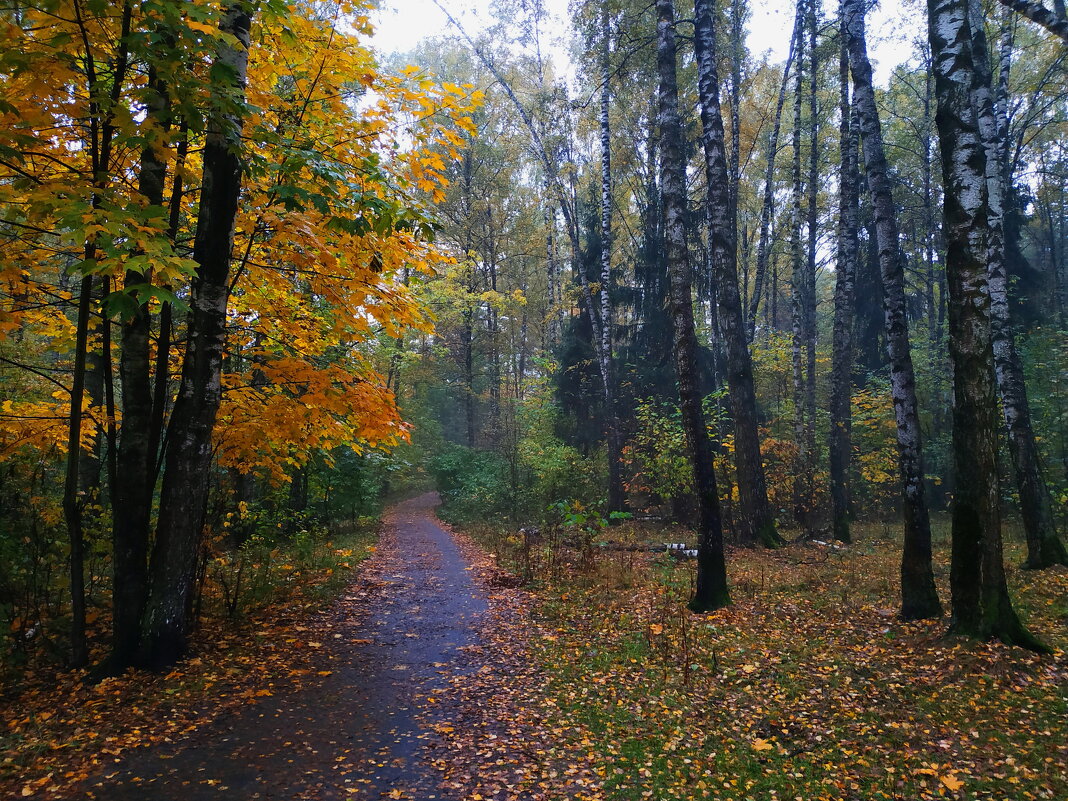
pixel 1040 15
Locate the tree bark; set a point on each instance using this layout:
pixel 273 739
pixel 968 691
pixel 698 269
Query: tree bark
pixel 981 603
pixel 1040 15
pixel 188 459
pixel 756 521
pixel 919 598
pixel 711 589
pixel 840 439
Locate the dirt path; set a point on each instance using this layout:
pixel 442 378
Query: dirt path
pixel 394 643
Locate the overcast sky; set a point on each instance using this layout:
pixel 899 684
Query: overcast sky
pixel 401 24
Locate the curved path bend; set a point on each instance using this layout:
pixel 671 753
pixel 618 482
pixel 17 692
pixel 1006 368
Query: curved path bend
pixel 364 730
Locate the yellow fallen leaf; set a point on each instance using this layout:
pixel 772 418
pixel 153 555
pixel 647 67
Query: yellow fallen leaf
pixel 951 782
pixel 761 745
pixel 656 628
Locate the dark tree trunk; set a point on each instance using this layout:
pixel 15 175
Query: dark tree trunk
pixel 73 505
pixel 95 397
pixel 553 317
pixel 101 134
pixel 840 439
pixel 188 458
pixel 711 590
pixel 467 330
pixel 802 477
pixel 756 521
pixel 135 477
pixel 919 598
pixel 617 501
pixel 930 279
pixel 809 317
pixel 162 378
pixel 981 603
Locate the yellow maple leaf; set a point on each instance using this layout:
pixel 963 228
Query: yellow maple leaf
pixel 951 782
pixel 760 744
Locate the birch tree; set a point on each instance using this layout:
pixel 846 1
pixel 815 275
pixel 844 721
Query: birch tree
pixel 711 589
pixel 840 444
pixel 981 603
pixel 919 597
pixel 757 523
pixel 1044 547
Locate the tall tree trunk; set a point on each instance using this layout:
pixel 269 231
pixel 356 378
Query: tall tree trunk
pixel 135 477
pixel 617 501
pixel 809 318
pixel 919 597
pixel 711 589
pixel 162 377
pixel 981 603
pixel 552 318
pixel 801 478
pixel 1044 547
pixel 91 462
pixel 767 206
pixel 756 521
pixel 734 165
pixel 489 260
pixel 100 139
pixel 840 439
pixel 930 301
pixel 188 459
pixel 467 331
pixel 73 505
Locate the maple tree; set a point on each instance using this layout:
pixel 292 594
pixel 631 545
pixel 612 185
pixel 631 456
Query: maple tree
pixel 208 219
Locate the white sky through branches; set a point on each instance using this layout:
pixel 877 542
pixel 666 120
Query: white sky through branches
pixel 892 27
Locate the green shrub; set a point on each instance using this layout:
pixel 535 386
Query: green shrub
pixel 474 484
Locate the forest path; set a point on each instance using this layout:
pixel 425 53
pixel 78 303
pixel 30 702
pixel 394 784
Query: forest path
pixel 399 636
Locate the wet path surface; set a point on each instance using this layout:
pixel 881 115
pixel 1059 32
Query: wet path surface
pixel 398 635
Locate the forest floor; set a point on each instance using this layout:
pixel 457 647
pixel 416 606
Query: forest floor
pixel 346 708
pixel 440 673
pixel 808 687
